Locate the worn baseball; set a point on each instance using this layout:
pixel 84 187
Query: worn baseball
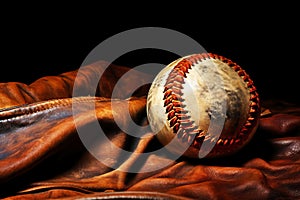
pixel 203 105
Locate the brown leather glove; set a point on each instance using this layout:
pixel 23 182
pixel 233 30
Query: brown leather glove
pixel 42 154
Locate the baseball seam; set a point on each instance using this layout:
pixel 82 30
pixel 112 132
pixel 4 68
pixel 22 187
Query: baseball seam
pixel 178 117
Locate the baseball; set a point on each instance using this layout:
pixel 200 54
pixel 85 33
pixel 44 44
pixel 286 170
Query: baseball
pixel 203 105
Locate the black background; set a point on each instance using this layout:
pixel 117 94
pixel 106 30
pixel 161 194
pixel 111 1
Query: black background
pixel 41 40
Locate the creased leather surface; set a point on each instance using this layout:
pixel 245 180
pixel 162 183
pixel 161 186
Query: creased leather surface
pixel 45 159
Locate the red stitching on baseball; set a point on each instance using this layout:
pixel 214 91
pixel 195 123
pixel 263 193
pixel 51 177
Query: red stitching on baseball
pixel 178 119
pixel 182 126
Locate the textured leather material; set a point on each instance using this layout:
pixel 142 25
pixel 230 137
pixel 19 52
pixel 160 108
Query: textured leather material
pixel 42 155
